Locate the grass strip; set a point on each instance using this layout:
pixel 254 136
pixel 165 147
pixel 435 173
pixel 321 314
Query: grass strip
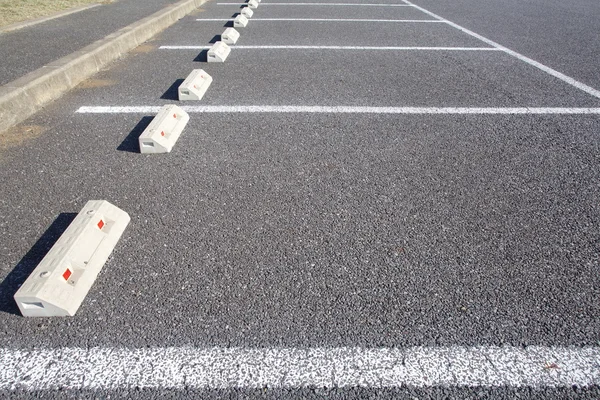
pixel 13 11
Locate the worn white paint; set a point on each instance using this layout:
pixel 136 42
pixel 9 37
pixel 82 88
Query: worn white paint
pixel 302 47
pixel 321 4
pixel 114 368
pixel 328 20
pixel 341 109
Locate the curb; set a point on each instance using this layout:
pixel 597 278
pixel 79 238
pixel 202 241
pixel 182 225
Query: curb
pixel 25 96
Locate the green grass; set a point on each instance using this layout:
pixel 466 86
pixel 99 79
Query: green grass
pixel 12 11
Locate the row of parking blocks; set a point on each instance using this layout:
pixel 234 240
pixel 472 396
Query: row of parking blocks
pixel 60 282
pixel 164 130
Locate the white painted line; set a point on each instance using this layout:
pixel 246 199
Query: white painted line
pixel 319 4
pixel 579 85
pixel 329 20
pixel 277 47
pixel 222 368
pixel 343 109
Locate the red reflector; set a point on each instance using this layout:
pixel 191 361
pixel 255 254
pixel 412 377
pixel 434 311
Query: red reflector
pixel 101 224
pixel 67 274
pixel 174 115
pixel 162 133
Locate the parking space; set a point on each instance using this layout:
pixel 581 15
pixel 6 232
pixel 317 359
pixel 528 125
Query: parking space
pixel 387 65
pixel 324 230
pixel 384 78
pixel 348 33
pixel 357 223
pixel 343 12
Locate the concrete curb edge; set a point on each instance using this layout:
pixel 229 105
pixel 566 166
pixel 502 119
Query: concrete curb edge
pixel 25 96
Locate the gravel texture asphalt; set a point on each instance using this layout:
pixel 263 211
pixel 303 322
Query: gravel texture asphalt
pixel 305 230
pixel 30 48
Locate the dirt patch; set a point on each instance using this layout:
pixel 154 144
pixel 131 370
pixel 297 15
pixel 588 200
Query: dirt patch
pixel 197 11
pixel 143 48
pixel 96 83
pixel 18 136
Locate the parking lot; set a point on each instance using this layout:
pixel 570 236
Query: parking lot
pixel 368 177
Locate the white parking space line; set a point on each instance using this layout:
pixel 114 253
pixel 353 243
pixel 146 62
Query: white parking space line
pixel 382 48
pixel 222 368
pixel 328 20
pixel 343 110
pixel 579 85
pixel 319 4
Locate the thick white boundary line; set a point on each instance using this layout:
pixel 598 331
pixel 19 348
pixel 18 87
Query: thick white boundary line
pixel 344 110
pixel 283 47
pixel 328 20
pixel 582 86
pixel 223 368
pixel 318 4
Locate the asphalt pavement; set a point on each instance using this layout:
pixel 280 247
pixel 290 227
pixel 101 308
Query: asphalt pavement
pixel 275 230
pixel 33 47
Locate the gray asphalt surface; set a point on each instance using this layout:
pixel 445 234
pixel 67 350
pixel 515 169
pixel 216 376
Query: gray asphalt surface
pixel 562 35
pixel 330 34
pixel 30 48
pixel 276 11
pixel 298 230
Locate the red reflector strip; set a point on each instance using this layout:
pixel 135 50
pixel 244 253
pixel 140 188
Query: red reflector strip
pixel 101 224
pixel 67 274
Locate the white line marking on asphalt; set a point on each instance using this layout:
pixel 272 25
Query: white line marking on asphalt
pixel 579 85
pixel 278 47
pixel 319 4
pixel 329 20
pixel 222 368
pixel 343 110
